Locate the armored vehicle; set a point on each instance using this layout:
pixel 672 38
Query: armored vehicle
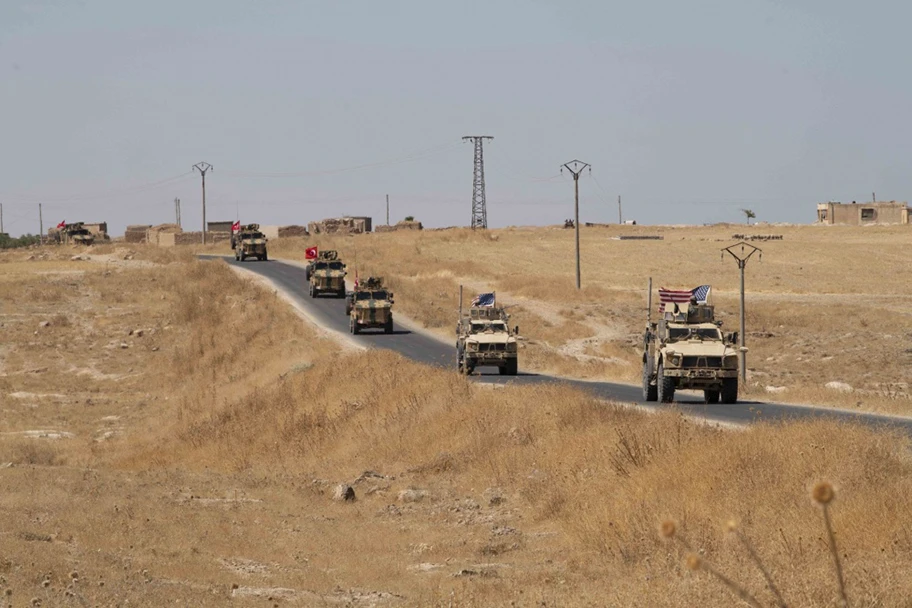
pixel 75 233
pixel 249 242
pixel 484 338
pixel 326 274
pixel 370 306
pixel 686 350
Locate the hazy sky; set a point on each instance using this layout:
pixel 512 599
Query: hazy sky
pixel 689 110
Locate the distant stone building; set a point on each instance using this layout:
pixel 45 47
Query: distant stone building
pixel 863 214
pixel 341 225
pixel 99 229
pixel 219 226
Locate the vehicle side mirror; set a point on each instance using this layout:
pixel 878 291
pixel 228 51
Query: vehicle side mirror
pixel 733 337
pixel 516 330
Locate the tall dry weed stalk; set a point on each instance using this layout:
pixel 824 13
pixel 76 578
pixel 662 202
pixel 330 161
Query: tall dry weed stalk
pixel 822 493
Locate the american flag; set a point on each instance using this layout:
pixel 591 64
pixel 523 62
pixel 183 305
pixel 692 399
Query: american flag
pixel 484 299
pixel 683 296
pixel 701 294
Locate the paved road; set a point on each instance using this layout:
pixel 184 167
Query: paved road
pixel 330 312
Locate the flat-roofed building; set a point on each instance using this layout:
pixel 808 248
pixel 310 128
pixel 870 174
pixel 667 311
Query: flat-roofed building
pixel 862 214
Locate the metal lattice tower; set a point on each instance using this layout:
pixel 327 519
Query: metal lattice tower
pixel 479 206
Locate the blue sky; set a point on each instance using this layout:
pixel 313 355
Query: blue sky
pixel 690 111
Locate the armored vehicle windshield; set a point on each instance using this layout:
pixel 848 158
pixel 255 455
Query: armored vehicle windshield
pixel 480 326
pixel 700 333
pixel 372 295
pixel 328 266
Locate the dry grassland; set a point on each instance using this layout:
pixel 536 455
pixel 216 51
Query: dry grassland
pixel 197 466
pixel 824 304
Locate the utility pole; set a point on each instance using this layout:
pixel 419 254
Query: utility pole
pixel 620 217
pixel 479 205
pixel 387 209
pixel 1 218
pixel 742 252
pixel 177 211
pixel 203 168
pixel 575 170
pixel 40 225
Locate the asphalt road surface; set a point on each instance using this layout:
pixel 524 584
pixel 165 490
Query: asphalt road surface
pixel 330 312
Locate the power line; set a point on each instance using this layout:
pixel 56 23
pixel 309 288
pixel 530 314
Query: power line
pixel 101 195
pixel 412 156
pixel 479 205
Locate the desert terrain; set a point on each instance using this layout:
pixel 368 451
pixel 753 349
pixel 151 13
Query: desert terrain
pixel 172 432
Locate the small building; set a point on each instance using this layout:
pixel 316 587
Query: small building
pixel 99 229
pixel 219 226
pixel 363 220
pixel 863 214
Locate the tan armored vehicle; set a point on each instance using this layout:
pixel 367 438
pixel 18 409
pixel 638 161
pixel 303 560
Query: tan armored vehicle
pixel 326 274
pixel 370 306
pixel 75 233
pixel 484 338
pixel 686 350
pixel 249 242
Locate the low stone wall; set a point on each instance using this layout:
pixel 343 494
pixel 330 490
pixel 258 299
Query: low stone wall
pixel 403 225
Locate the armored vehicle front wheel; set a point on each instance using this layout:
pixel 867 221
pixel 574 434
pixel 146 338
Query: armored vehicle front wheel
pixel 666 386
pixel 388 327
pixel 650 390
pixel 237 256
pixel 265 257
pixel 729 390
pixel 710 396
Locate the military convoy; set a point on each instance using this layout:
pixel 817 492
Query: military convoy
pixel 75 233
pixel 249 242
pixel 686 349
pixel 326 274
pixel 484 338
pixel 369 306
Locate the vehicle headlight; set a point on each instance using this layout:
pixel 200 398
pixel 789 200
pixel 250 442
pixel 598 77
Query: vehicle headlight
pixel 473 346
pixel 730 362
pixel 675 360
pixel 511 347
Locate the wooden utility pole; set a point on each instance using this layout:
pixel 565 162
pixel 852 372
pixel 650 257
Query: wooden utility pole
pixel 387 209
pixel 575 170
pixel 40 225
pixel 203 168
pixel 620 217
pixel 177 211
pixel 1 218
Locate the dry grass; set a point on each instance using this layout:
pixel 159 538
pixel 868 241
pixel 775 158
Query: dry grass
pixel 234 422
pixel 824 304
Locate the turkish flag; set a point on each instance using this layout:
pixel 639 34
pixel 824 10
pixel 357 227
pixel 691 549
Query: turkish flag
pixel 310 253
pixel 61 224
pixel 236 227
